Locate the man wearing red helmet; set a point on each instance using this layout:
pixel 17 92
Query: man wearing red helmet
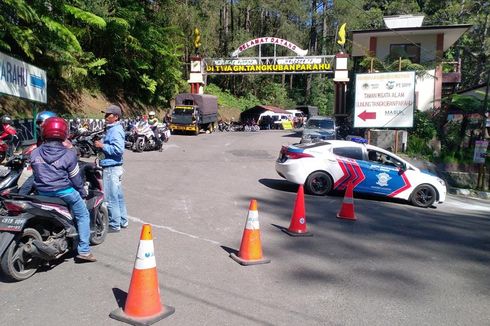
pixel 56 174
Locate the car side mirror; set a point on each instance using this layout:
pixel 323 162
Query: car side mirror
pixel 402 168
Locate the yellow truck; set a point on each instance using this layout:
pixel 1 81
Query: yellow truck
pixel 194 112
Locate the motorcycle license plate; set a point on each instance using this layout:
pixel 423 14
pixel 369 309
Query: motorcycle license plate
pixel 13 224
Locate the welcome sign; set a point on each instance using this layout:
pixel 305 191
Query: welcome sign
pixel 20 79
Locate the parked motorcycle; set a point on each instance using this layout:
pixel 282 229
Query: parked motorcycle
pixel 164 132
pixel 11 172
pixel 4 148
pixel 85 142
pixel 144 137
pixel 38 229
pixel 223 126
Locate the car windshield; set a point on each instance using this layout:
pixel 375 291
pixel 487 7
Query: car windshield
pixel 319 124
pixel 182 112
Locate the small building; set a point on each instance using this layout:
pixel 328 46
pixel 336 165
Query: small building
pixel 258 111
pixel 405 37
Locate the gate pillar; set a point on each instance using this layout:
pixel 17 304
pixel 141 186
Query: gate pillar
pixel 196 79
pixel 341 79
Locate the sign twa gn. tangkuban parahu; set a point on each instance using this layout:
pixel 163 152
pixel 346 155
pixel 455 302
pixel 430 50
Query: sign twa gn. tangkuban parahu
pixel 269 65
pixel 20 79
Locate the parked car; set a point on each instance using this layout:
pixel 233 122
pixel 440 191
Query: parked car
pixel 318 128
pixel 330 165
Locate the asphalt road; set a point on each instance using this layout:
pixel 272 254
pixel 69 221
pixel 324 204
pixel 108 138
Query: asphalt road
pixel 396 265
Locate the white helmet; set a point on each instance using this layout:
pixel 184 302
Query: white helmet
pixel 151 113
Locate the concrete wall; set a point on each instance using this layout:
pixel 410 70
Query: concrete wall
pixel 424 90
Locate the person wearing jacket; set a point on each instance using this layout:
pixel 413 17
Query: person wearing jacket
pixel 113 149
pixel 9 134
pixel 153 122
pixel 57 174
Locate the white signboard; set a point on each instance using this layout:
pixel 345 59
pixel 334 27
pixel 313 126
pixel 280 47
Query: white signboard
pixel 270 40
pixel 20 79
pixel 385 100
pixel 480 151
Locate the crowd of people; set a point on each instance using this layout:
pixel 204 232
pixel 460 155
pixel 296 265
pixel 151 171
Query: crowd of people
pixel 56 172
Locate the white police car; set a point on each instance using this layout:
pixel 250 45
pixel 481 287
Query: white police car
pixel 331 165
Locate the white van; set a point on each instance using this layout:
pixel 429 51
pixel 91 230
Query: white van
pixel 296 113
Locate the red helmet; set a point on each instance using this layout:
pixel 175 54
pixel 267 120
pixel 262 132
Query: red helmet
pixel 54 128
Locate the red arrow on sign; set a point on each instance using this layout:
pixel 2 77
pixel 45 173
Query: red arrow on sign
pixel 367 115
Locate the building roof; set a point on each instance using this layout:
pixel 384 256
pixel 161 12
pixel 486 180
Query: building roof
pixel 274 109
pixel 477 91
pixel 360 38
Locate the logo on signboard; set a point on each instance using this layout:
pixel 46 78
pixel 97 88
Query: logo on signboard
pixel 390 84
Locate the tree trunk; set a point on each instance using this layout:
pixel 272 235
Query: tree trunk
pixel 313 44
pixel 247 20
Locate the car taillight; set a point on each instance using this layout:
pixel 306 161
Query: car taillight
pixel 296 155
pixel 15 208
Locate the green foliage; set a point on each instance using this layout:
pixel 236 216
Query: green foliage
pixel 274 94
pixel 424 127
pixel 466 103
pixel 322 95
pixel 86 17
pixel 137 49
pixel 62 32
pixel 225 99
pixel 418 146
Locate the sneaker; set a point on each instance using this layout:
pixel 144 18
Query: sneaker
pixel 86 258
pixel 125 225
pixel 111 230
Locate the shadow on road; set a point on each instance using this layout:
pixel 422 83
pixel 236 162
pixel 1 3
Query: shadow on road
pixel 279 184
pixel 229 250
pixel 120 297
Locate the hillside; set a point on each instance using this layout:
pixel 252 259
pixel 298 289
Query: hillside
pixel 87 105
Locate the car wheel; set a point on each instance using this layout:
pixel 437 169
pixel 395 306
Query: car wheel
pixel 423 196
pixel 318 183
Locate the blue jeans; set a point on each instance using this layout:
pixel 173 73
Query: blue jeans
pixel 114 197
pixel 82 217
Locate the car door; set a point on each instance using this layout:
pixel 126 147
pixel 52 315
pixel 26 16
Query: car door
pixel 347 166
pixel 383 175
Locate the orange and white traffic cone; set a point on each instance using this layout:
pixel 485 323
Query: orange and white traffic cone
pixel 297 226
pixel 250 252
pixel 347 209
pixel 143 305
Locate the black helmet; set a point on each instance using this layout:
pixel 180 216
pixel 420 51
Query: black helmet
pixel 6 119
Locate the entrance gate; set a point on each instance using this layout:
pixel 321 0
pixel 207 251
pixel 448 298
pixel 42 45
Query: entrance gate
pixel 298 64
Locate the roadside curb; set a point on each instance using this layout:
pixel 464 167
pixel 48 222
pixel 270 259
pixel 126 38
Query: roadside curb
pixel 470 193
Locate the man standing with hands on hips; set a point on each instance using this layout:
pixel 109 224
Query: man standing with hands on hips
pixel 113 148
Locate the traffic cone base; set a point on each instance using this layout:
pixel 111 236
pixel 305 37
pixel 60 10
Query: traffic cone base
pixel 120 315
pixel 297 234
pixel 245 262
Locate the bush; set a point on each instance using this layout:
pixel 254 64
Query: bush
pixel 418 147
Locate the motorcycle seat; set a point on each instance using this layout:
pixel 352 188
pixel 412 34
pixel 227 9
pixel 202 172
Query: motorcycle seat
pixel 50 200
pixel 39 199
